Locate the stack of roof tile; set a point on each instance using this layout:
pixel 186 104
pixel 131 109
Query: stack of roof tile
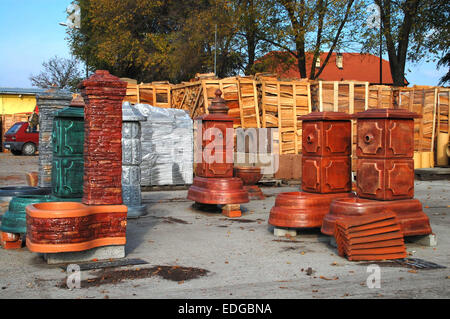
pixel 374 237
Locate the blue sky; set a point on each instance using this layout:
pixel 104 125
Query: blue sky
pixel 30 34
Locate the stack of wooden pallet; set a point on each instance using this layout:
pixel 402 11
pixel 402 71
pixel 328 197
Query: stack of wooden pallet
pixel 373 237
pixel 240 96
pixel 282 102
pixel 381 97
pixel 422 100
pixel 188 96
pixel 155 93
pixel 443 128
pixel 443 114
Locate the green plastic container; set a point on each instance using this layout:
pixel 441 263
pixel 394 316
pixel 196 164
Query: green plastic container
pixel 68 162
pixel 14 220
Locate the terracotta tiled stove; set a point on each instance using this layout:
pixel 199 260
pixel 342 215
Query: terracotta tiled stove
pixel 100 220
pixel 385 172
pixel 326 175
pixel 214 182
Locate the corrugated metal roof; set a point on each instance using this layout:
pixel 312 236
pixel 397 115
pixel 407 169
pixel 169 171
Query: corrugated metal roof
pixel 32 91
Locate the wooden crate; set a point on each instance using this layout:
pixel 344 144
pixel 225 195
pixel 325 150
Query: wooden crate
pixel 422 100
pixel 248 103
pixel 239 93
pixel 443 110
pixel 189 96
pixel 282 102
pixel 155 93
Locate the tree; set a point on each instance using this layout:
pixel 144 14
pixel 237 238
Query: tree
pixel 313 26
pixel 397 28
pixel 60 72
pixel 155 40
pixel 445 61
pixel 412 30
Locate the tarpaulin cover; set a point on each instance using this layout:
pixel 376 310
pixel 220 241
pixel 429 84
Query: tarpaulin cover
pixel 167 146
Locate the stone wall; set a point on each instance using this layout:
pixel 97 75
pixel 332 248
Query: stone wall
pixel 48 104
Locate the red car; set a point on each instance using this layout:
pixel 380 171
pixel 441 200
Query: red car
pixel 22 139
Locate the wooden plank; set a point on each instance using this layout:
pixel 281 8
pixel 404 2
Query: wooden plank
pixel 138 93
pixel 255 98
pixel 205 98
pixel 320 97
pixel 154 96
pixel 279 119
pixel 196 102
pixel 335 96
pixel 379 98
pixel 434 119
pixel 421 124
pixel 366 101
pixel 263 105
pixel 294 106
pixel 309 98
pixel 241 111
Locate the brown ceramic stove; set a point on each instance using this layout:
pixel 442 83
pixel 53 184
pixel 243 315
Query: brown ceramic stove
pixel 214 182
pixel 326 172
pixel 385 172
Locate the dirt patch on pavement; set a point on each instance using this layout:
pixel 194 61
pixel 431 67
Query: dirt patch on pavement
pixel 287 241
pixel 173 273
pixel 242 220
pixel 172 220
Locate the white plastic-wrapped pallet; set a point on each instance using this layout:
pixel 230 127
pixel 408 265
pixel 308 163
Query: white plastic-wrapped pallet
pixel 167 146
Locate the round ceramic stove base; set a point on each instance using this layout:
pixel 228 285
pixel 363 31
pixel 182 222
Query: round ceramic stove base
pixel 302 209
pixel 412 219
pixel 218 191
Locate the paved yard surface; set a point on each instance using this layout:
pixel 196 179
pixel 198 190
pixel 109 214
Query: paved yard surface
pixel 13 168
pixel 231 258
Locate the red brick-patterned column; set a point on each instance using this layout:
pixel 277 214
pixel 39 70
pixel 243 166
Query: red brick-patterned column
pixel 103 94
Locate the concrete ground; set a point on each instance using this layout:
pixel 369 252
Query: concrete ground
pixel 242 257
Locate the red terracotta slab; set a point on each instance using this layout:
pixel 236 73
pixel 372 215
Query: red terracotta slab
pixel 376 251
pixel 371 232
pixel 378 237
pixel 383 223
pixel 377 257
pixel 380 244
pixel 358 221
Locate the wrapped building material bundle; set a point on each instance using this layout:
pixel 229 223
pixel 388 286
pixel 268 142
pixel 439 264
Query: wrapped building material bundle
pixel 131 160
pixel 167 146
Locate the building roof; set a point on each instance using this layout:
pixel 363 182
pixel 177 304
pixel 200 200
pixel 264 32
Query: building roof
pixel 33 91
pixel 355 66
